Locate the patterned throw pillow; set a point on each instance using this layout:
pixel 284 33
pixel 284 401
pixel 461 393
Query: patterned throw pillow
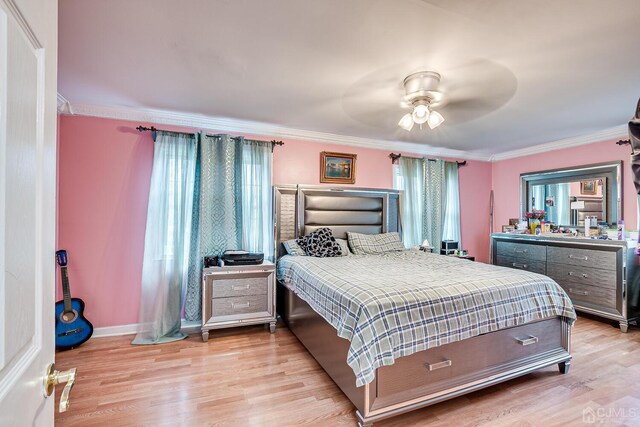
pixel 371 244
pixel 292 248
pixel 320 243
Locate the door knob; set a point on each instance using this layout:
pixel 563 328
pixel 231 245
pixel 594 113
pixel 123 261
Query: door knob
pixel 54 377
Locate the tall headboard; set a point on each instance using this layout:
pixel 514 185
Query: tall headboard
pixel 299 210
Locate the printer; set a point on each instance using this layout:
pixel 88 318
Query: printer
pixel 232 258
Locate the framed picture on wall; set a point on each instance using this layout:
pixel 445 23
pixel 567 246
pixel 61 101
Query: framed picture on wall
pixel 337 168
pixel 588 188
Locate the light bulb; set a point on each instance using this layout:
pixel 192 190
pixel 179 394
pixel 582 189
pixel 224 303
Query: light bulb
pixel 435 119
pixel 420 114
pixel 406 122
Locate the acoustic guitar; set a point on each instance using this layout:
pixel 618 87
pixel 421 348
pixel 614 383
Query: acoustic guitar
pixel 72 328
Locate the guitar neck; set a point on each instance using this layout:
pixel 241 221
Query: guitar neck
pixel 66 292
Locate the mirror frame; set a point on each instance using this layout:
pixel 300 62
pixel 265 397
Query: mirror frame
pixel 612 171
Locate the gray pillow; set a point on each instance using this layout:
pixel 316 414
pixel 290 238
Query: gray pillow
pixel 371 244
pixel 344 245
pixel 292 248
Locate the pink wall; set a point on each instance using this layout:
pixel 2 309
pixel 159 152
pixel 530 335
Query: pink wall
pixel 506 177
pixel 104 172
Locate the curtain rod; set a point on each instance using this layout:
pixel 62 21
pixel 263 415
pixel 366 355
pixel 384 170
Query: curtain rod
pixel 625 142
pixel 154 131
pixel 394 158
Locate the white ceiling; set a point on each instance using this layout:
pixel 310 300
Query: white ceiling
pixel 515 73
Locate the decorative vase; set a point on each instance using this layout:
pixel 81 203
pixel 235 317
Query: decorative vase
pixel 533 223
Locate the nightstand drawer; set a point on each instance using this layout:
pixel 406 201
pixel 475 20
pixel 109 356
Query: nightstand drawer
pixel 239 305
pixel 224 288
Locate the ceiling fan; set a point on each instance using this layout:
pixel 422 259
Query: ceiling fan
pixel 422 95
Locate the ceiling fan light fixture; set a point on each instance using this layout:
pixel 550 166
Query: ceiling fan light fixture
pixel 421 92
pixel 420 113
pixel 406 122
pixel 435 119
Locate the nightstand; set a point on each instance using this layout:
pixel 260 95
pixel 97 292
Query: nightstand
pixel 238 296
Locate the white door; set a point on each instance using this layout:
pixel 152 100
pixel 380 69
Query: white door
pixel 28 61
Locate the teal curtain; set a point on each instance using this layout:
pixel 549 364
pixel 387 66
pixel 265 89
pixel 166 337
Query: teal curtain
pixel 434 200
pixel 217 216
pixel 167 237
pixel 560 213
pixel 451 225
pixel 232 207
pixel 410 180
pixel 257 213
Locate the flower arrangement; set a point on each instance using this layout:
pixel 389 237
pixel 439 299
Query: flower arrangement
pixel 536 214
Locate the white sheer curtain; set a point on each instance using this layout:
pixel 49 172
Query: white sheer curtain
pixel 257 223
pixel 451 226
pixel 167 237
pixel 410 180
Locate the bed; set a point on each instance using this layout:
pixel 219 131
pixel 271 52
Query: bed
pixel 400 331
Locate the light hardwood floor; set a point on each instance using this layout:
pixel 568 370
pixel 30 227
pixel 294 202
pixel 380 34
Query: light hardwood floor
pixel 248 377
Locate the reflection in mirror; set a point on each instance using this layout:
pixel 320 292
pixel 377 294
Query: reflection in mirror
pixel 570 195
pixel 570 202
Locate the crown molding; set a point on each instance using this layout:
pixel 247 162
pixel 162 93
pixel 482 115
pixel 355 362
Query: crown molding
pixel 64 106
pixel 603 135
pixel 198 121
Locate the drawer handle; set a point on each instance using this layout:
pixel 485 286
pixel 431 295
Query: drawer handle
pixel 516 265
pixel 524 251
pixel 527 341
pixel 242 305
pixel 584 275
pixel 240 288
pixel 439 365
pixel 573 291
pixel 581 258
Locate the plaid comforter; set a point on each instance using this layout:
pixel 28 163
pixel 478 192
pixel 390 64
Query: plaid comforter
pixel 398 303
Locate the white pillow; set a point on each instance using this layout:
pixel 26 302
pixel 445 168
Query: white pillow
pixel 292 248
pixel 344 246
pixel 371 244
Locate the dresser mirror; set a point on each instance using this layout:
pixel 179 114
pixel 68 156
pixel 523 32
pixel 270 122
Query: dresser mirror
pixel 570 195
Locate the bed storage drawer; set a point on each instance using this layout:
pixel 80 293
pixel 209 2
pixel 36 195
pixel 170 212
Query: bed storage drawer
pixel 522 250
pixel 605 260
pixel 522 264
pixel 583 275
pixel 463 361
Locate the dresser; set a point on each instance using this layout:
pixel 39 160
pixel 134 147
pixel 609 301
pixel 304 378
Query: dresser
pixel 594 273
pixel 237 296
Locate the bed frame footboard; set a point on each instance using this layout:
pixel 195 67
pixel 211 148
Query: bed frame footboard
pixel 432 375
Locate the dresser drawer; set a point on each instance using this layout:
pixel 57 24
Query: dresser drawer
pixel 422 372
pixel 223 288
pixel 593 295
pixel 605 260
pixel 522 250
pixel 239 305
pixel 522 264
pixel 582 275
